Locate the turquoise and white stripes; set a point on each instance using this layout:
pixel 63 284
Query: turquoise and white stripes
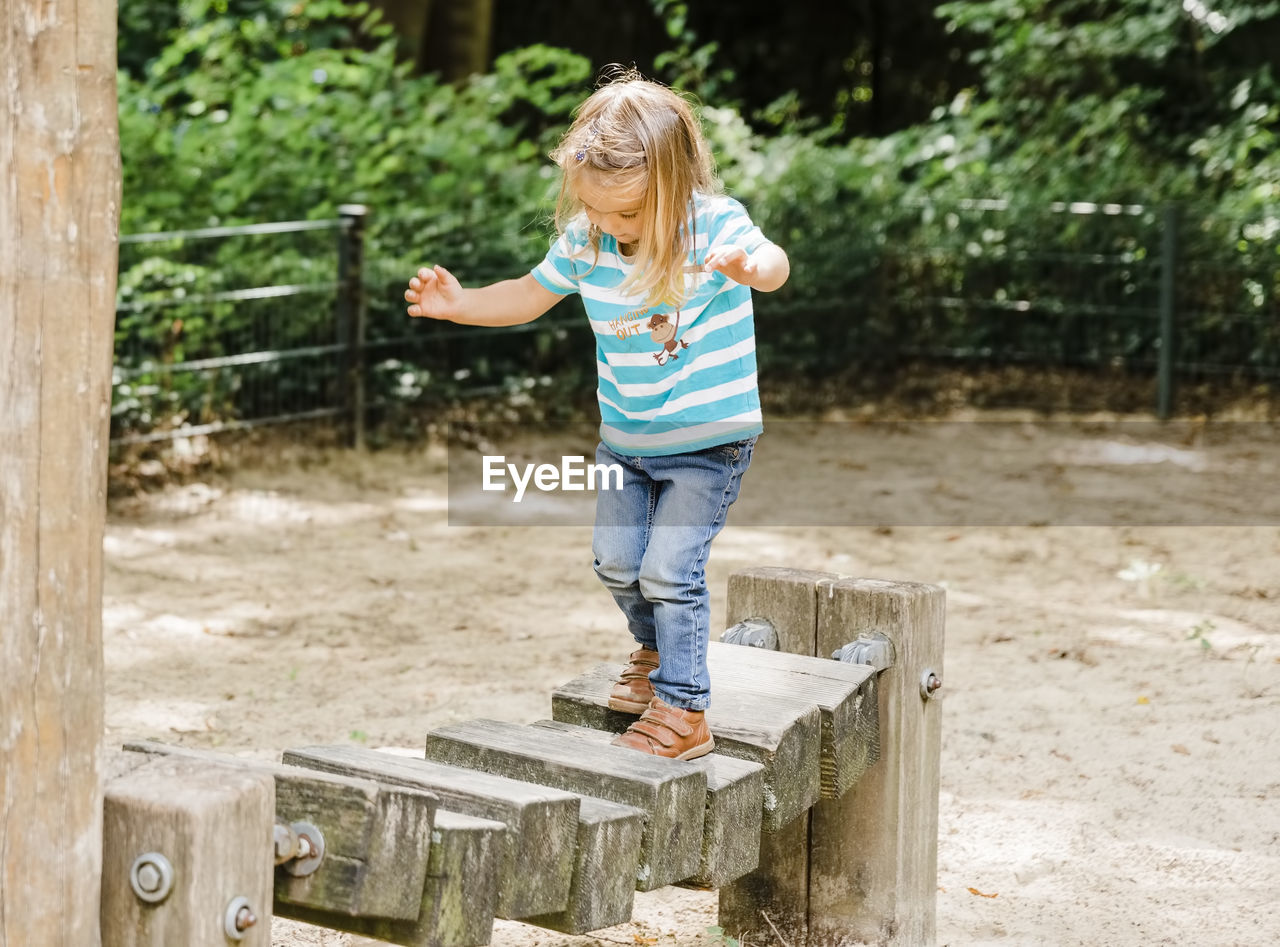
pixel 664 392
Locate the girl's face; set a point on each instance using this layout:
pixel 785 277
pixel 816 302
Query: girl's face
pixel 614 210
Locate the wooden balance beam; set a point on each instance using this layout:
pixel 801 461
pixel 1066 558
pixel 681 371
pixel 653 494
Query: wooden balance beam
pixel 816 818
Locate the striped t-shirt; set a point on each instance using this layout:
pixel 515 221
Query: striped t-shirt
pixel 671 379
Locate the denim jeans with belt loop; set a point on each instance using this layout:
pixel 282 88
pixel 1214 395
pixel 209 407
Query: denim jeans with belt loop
pixel 651 541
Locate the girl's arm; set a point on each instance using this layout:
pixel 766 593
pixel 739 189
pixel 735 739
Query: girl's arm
pixel 766 269
pixel 435 293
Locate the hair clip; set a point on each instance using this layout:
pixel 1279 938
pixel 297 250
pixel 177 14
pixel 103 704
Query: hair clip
pixel 594 129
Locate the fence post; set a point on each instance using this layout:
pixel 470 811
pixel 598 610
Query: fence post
pixel 351 318
pixel 1168 261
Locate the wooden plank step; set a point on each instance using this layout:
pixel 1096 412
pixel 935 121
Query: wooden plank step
pixel 604 878
pixel 376 839
pixel 779 734
pixel 844 694
pixel 460 895
pixel 605 846
pixel 541 823
pixel 731 824
pixel 671 793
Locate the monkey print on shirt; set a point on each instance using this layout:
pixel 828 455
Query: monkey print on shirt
pixel 665 333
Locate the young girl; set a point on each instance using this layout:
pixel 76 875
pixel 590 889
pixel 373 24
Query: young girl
pixel 665 265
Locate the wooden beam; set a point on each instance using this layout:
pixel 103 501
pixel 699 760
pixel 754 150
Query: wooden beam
pixel 377 839
pixel 671 793
pixel 59 217
pixel 601 895
pixel 541 823
pixel 731 823
pixel 458 899
pixel 210 827
pixel 604 849
pixel 862 868
pixel 783 736
pixel 850 737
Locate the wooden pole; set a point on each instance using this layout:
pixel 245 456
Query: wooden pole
pixel 861 869
pixel 873 859
pixel 771 905
pixel 59 214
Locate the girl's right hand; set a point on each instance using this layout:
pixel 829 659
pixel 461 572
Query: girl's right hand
pixel 434 293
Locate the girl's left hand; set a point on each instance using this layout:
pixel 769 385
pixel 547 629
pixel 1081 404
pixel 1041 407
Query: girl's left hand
pixel 733 262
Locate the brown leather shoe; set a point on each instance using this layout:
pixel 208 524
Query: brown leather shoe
pixel 632 693
pixel 669 731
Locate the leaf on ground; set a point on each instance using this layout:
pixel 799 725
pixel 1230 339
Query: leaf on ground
pixel 1179 748
pixel 1143 700
pixel 983 894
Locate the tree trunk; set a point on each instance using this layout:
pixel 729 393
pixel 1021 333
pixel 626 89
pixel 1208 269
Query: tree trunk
pixel 458 38
pixel 449 37
pixel 409 19
pixel 59 212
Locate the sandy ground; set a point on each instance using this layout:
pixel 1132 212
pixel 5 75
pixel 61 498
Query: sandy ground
pixel 1110 760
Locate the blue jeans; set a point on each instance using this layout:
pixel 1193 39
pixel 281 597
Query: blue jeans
pixel 651 542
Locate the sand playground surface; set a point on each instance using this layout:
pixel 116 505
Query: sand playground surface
pixel 1111 734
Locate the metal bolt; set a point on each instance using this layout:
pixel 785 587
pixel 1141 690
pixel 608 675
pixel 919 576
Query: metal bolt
pixel 308 852
pixel 284 841
pixel 873 648
pixel 929 684
pixel 754 633
pixel 245 919
pixel 151 877
pixel 239 917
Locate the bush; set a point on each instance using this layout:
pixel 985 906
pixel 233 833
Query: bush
pixel 957 236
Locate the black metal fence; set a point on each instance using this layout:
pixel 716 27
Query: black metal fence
pixel 1156 290
pixel 232 327
pixel 235 327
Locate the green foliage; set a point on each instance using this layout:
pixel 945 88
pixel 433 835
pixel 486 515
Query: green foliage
pixel 690 64
pixel 1129 103
pixel 1200 632
pixel 718 936
pixel 1121 96
pixel 279 111
pixel 237 111
pixel 296 130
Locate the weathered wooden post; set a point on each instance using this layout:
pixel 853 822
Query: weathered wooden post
pixel 59 213
pixel 863 868
pixel 188 856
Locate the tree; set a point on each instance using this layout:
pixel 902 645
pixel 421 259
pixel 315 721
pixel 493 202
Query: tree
pixel 449 38
pixel 1118 97
pixel 58 220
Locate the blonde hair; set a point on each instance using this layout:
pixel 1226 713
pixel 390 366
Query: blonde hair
pixel 633 131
